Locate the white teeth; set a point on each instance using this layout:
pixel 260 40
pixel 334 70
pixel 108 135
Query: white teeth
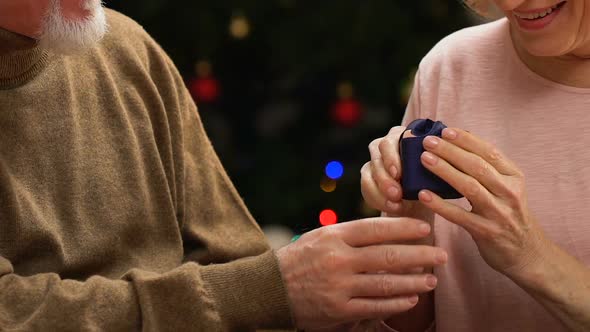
pixel 533 16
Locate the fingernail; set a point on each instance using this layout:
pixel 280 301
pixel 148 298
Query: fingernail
pixel 442 257
pixel 431 281
pixel 424 228
pixel 431 142
pixel 425 196
pixel 392 192
pixel 413 299
pixel 429 158
pixel 393 172
pixel 392 206
pixel 449 133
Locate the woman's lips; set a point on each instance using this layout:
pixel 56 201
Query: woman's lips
pixel 540 22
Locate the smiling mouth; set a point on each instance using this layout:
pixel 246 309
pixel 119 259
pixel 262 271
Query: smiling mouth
pixel 539 15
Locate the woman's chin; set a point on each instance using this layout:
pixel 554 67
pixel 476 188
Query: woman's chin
pixel 544 47
pixel 544 51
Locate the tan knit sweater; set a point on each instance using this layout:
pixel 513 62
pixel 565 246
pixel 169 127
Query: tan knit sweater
pixel 115 212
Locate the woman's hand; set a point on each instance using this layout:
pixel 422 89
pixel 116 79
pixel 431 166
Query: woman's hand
pixel 380 179
pixel 506 233
pixel 381 189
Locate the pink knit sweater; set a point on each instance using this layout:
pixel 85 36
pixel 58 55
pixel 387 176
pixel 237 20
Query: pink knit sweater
pixel 475 80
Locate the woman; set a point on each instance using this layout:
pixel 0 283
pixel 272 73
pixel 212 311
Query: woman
pixel 519 256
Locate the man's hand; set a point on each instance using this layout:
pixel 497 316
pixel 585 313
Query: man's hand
pixel 348 272
pixel 380 180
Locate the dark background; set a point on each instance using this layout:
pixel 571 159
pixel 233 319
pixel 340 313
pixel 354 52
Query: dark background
pixel 285 86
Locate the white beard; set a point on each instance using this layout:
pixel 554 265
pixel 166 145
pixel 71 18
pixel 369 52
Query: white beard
pixel 67 36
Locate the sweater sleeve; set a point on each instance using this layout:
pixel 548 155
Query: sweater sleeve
pixel 139 300
pixel 243 293
pixel 183 299
pixel 239 274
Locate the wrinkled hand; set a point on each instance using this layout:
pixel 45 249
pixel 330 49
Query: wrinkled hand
pixel 380 180
pixel 507 235
pixel 331 273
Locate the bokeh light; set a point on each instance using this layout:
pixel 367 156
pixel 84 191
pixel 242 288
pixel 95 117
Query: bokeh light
pixel 345 90
pixel 347 113
pixel 328 185
pixel 239 27
pixel 328 217
pixel 203 68
pixel 334 170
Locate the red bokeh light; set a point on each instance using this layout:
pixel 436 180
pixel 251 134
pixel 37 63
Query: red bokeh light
pixel 347 112
pixel 328 217
pixel 205 89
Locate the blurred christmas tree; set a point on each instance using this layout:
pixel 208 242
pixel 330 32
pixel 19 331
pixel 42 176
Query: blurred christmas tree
pixel 286 86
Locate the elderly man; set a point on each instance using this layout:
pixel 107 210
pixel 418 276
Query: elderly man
pixel 116 215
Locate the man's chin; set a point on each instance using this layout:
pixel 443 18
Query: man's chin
pixel 66 36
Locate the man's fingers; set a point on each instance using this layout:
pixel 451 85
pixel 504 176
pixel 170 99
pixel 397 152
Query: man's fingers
pixel 371 231
pixel 388 285
pixel 363 308
pixel 395 258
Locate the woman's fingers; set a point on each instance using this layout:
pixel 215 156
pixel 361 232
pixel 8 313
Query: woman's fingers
pixel 469 142
pixel 468 186
pixel 390 285
pixel 471 222
pixel 467 162
pixel 366 308
pixel 380 177
pixel 387 182
pixel 373 195
pixel 388 186
pixel 389 150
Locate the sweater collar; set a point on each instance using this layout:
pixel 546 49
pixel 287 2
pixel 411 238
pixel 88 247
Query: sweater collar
pixel 21 65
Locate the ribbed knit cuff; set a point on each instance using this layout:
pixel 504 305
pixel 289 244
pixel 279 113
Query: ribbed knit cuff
pixel 22 65
pixel 249 293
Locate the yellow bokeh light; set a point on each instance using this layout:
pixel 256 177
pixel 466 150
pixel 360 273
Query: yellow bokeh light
pixel 203 68
pixel 328 185
pixel 345 90
pixel 239 27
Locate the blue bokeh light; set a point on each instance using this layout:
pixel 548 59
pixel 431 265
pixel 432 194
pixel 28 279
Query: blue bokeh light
pixel 334 170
